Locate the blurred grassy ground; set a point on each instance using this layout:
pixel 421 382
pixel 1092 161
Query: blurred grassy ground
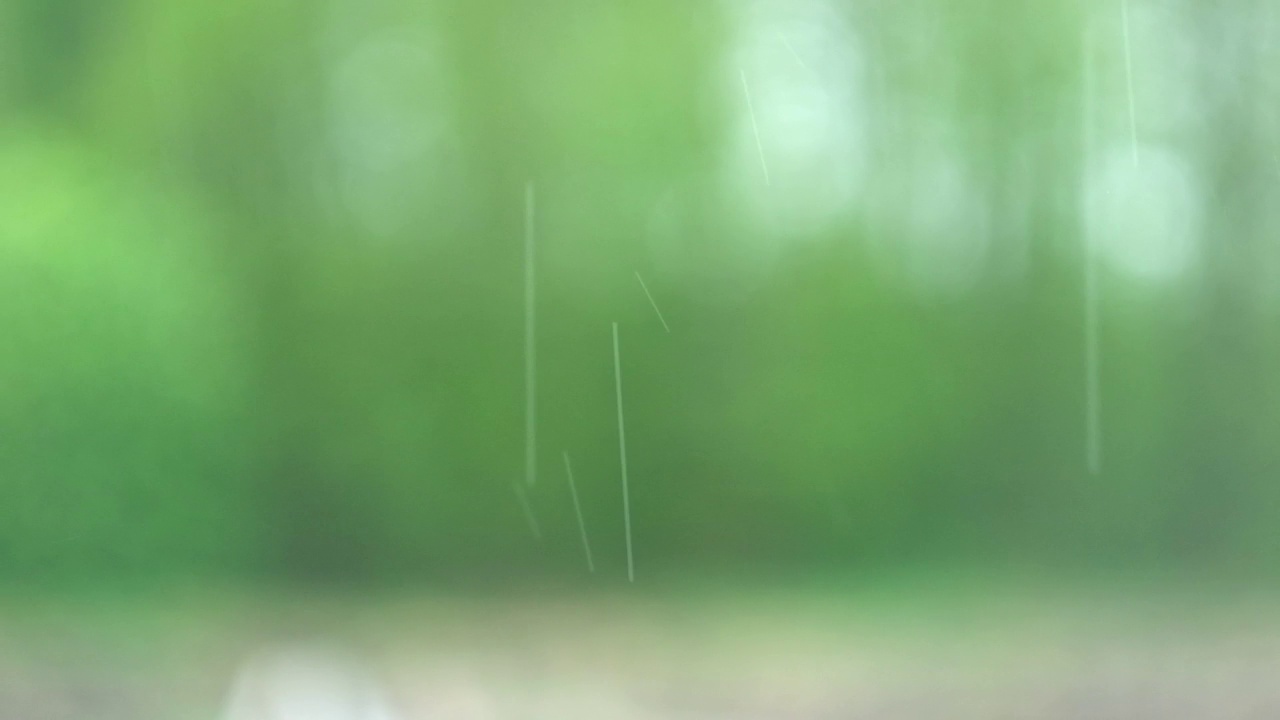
pixel 922 646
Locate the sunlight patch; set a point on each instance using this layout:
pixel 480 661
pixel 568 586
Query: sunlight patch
pixel 390 129
pixel 796 138
pixel 1145 217
pixel 931 221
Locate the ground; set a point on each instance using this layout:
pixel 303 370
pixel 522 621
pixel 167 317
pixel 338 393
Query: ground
pixel 784 654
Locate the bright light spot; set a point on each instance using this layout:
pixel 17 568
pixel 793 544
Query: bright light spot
pixel 391 128
pixel 1145 218
pixel 930 217
pixel 802 64
pixel 306 684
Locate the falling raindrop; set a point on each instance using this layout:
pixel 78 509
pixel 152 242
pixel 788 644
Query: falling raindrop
pixel 530 346
pixel 577 509
pixel 652 302
pixel 622 451
pixel 1092 379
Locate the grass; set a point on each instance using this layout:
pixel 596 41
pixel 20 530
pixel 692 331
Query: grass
pixel 659 644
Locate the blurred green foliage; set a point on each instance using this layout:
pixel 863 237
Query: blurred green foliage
pixel 261 298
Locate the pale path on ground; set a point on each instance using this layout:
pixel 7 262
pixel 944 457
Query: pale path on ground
pixel 783 656
pixel 306 683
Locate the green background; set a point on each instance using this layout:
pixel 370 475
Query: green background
pixel 262 303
